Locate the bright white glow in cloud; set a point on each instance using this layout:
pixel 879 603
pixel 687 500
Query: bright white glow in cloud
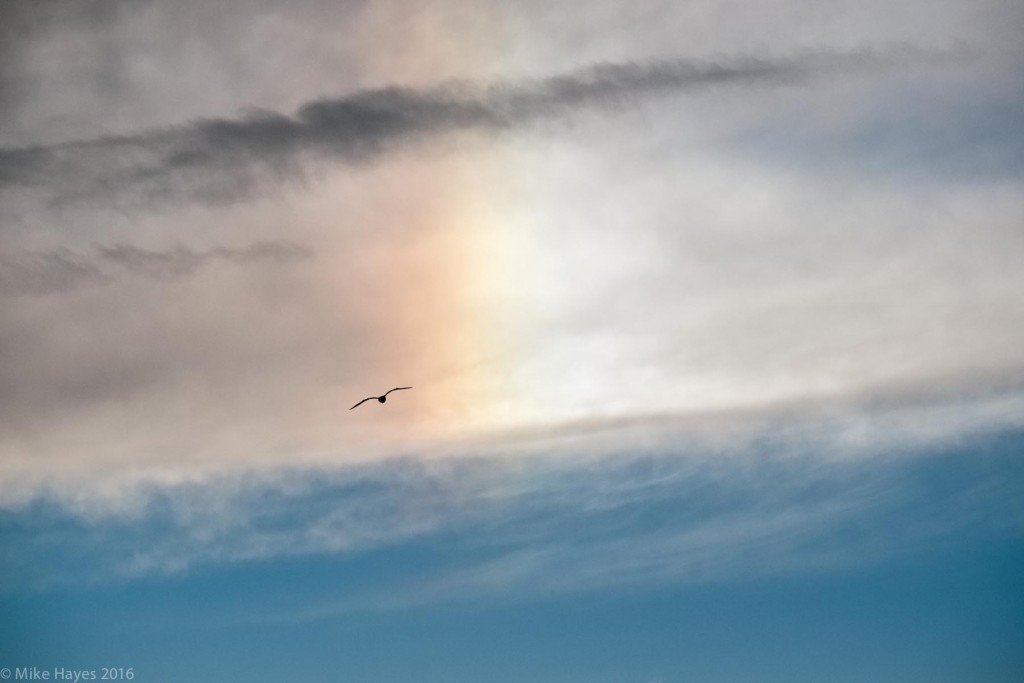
pixel 642 217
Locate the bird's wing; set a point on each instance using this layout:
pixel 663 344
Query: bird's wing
pixel 396 389
pixel 362 402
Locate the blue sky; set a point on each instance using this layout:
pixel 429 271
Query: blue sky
pixel 900 568
pixel 711 314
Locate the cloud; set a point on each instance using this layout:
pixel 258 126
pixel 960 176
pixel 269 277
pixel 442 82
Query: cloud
pixel 47 272
pixel 62 270
pixel 749 263
pixel 720 253
pixel 183 261
pixel 526 524
pixel 219 159
pixel 685 287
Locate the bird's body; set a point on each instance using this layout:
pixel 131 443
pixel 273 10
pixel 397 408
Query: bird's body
pixel 382 398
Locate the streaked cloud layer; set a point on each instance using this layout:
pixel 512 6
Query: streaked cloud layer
pixel 712 310
pixel 61 270
pixel 766 502
pixel 689 293
pixel 214 159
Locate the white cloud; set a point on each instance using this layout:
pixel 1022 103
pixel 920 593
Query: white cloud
pixel 654 501
pixel 743 252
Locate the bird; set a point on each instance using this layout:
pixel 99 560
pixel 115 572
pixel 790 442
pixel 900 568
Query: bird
pixel 383 397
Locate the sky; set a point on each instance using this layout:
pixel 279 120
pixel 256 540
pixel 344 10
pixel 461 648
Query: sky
pixel 712 313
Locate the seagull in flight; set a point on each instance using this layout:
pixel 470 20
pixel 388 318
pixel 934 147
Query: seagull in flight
pixel 383 397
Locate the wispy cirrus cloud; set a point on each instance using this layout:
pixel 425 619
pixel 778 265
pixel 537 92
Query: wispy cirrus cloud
pixel 522 527
pixel 62 270
pixel 219 159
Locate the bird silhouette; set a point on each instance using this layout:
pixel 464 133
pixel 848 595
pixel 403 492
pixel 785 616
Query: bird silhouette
pixel 383 397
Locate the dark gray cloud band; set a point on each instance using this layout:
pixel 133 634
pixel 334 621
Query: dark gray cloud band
pixel 219 159
pixel 48 272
